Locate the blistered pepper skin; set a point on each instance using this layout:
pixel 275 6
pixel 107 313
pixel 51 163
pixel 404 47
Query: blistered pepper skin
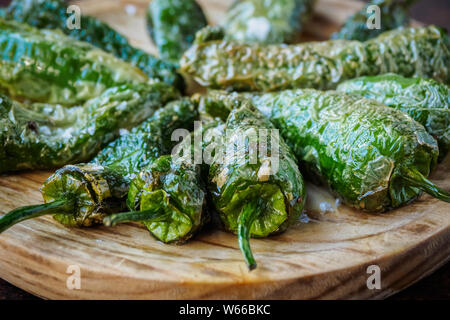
pixel 425 100
pixel 393 14
pixel 83 195
pixel 274 21
pixel 132 152
pixel 421 51
pixel 359 147
pixel 47 66
pixel 43 136
pixel 235 181
pixel 172 25
pixel 52 14
pixel 97 191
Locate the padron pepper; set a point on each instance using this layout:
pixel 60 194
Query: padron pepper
pixel 169 196
pixel 52 14
pixel 47 66
pixel 43 136
pixel 372 156
pixel 421 51
pixel 172 25
pixel 267 21
pixel 255 193
pixel 424 100
pixel 392 14
pixel 82 195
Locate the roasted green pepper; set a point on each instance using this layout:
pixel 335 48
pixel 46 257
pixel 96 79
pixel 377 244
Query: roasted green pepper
pixel 254 195
pixel 425 100
pixel 393 14
pixel 45 136
pixel 422 51
pixel 267 21
pixel 172 24
pixel 373 157
pixel 46 66
pixel 83 194
pixel 52 14
pixel 169 196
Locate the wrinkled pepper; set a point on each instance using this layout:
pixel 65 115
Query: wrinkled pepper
pixel 52 14
pixel 172 25
pixel 253 198
pixel 47 66
pixel 43 136
pixel 372 156
pixel 393 14
pixel 421 51
pixel 82 195
pixel 425 100
pixel 267 21
pixel 169 196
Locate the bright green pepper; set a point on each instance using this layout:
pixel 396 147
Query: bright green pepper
pixel 422 51
pixel 373 157
pixel 47 66
pixel 254 196
pixel 425 100
pixel 169 196
pixel 273 21
pixel 267 21
pixel 393 14
pixel 172 24
pixel 45 136
pixel 83 194
pixel 52 14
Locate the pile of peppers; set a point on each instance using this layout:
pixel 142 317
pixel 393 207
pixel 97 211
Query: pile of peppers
pixel 104 115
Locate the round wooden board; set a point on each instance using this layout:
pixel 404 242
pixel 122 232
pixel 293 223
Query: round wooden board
pixel 324 257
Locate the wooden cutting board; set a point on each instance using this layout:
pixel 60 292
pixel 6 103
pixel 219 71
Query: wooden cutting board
pixel 326 257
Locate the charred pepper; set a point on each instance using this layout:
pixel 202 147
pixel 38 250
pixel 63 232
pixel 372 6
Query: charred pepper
pixel 393 14
pixel 425 100
pixel 372 156
pixel 422 51
pixel 169 196
pixel 267 21
pixel 82 195
pixel 43 136
pixel 52 14
pixel 46 66
pixel 254 196
pixel 172 24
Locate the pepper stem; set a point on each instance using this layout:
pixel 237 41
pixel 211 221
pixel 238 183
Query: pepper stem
pixel 245 222
pixel 415 179
pixel 30 212
pixel 133 216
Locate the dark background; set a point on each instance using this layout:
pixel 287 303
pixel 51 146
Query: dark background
pixel 437 285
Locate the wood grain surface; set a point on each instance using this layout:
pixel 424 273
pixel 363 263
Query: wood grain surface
pixel 322 257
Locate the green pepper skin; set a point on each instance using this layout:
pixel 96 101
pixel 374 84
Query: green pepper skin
pixel 169 195
pixel 46 66
pixel 172 25
pixel 97 191
pixel 175 190
pixel 132 152
pixel 393 14
pixel 425 100
pixel 52 14
pixel 359 147
pixel 263 21
pixel 422 51
pixel 45 136
pixel 236 181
